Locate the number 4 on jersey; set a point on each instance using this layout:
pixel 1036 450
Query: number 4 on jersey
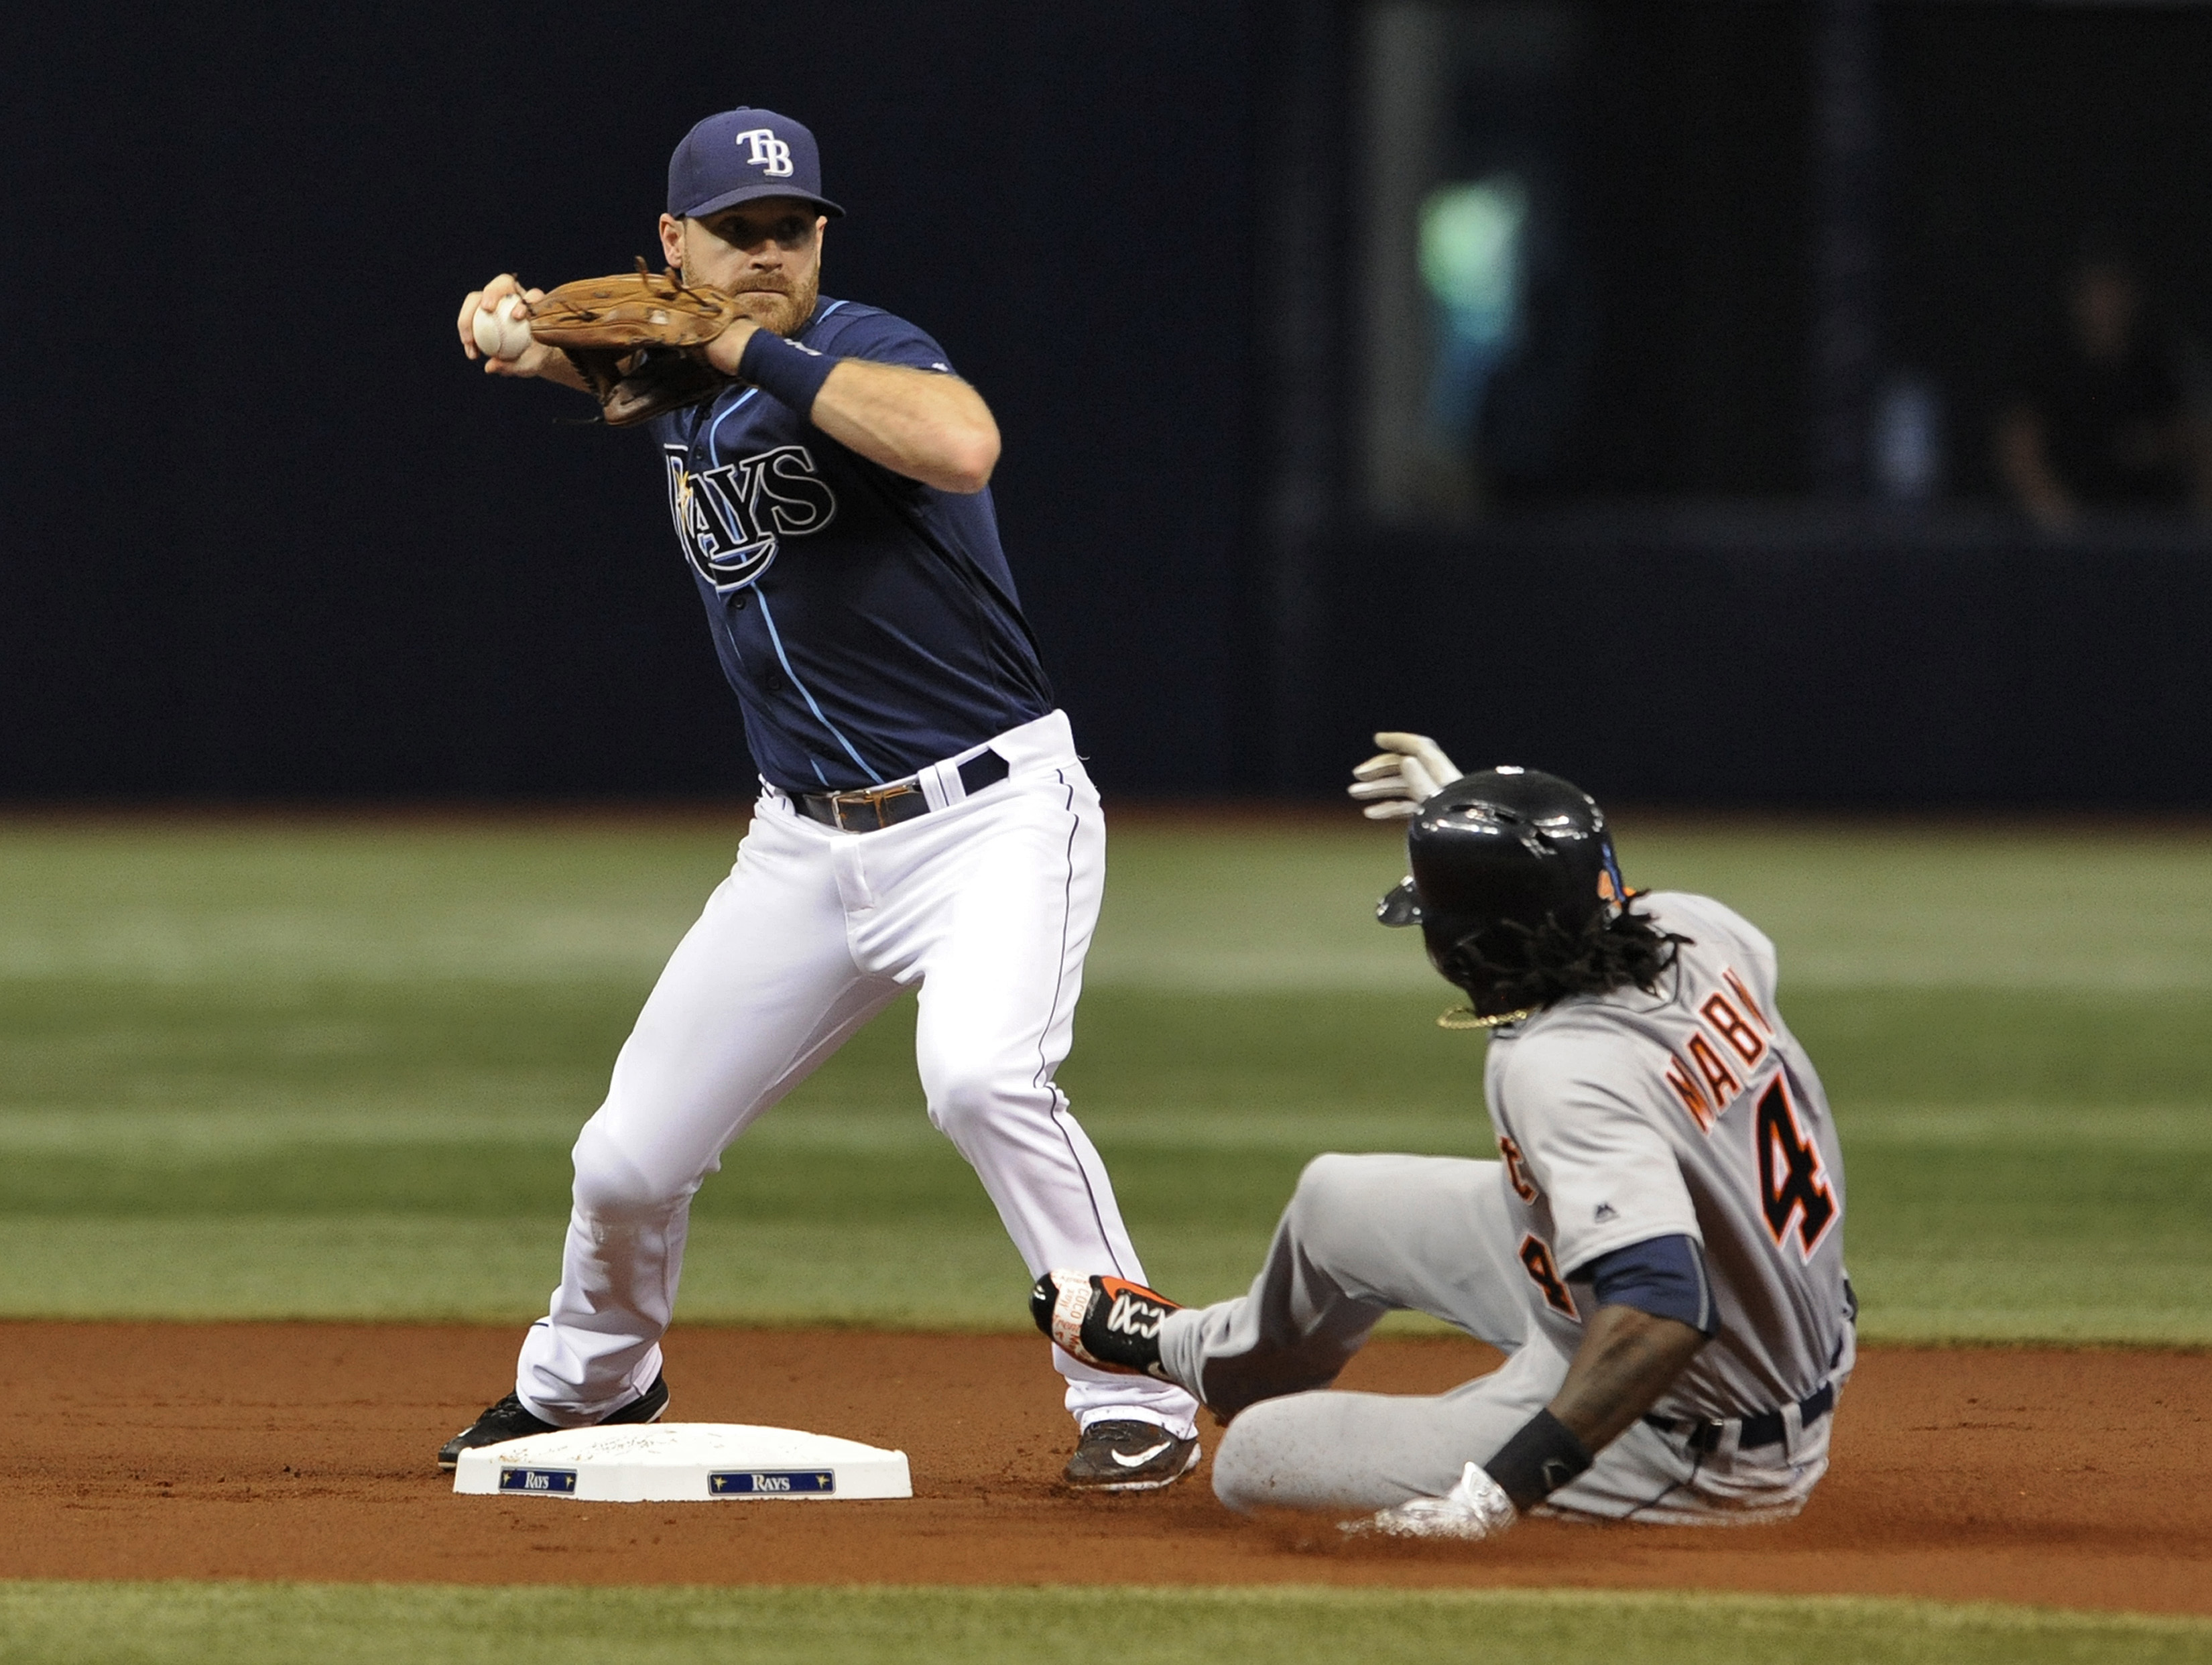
pixel 1792 1183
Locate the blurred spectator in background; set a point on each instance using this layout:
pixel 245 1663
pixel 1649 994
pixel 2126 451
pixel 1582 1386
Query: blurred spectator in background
pixel 2110 422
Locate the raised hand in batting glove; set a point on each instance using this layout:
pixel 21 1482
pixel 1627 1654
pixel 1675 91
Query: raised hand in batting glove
pixel 1477 1508
pixel 1408 768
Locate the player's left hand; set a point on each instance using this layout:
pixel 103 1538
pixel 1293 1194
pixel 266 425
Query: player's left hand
pixel 1477 1508
pixel 639 339
pixel 1393 783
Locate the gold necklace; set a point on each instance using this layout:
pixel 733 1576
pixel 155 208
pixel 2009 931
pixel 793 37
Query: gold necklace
pixel 1463 1017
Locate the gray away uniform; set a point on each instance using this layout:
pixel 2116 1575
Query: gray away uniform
pixel 1620 1118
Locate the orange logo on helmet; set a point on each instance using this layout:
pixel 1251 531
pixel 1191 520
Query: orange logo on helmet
pixel 1606 891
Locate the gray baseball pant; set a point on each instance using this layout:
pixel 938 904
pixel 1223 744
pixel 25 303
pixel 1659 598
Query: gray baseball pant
pixel 1367 1235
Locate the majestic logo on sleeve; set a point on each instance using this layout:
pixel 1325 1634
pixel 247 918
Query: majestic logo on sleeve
pixel 732 518
pixel 769 154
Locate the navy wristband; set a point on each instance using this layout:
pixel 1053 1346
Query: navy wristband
pixel 1537 1462
pixel 785 370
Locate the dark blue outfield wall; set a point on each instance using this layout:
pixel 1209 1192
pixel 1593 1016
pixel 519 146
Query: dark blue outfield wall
pixel 310 554
pixel 300 549
pixel 1791 659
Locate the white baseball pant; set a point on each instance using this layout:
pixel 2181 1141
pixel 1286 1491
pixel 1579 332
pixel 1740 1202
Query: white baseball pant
pixel 988 903
pixel 1367 1235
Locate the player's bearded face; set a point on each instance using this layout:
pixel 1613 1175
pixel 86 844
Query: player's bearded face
pixel 767 254
pixel 783 309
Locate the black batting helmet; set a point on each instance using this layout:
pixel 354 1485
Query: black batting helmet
pixel 1496 857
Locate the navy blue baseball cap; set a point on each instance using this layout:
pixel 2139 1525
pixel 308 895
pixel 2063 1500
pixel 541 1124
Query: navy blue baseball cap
pixel 740 154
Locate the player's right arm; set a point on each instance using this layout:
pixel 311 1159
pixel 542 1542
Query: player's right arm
pixel 537 360
pixel 1627 1359
pixel 1622 1219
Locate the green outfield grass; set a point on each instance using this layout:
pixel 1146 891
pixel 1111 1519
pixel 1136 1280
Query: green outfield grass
pixel 86 1623
pixel 333 1071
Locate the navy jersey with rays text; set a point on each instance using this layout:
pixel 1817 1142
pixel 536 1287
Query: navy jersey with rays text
pixel 868 622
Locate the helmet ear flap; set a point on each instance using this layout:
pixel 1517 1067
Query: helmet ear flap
pixel 1455 950
pixel 1459 967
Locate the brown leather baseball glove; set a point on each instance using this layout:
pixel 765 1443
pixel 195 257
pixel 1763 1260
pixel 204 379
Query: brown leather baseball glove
pixel 638 337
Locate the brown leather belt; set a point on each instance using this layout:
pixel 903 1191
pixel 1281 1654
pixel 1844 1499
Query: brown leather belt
pixel 1766 1428
pixel 878 807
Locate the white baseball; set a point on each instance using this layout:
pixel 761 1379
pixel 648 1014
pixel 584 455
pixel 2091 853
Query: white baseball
pixel 502 332
pixel 513 327
pixel 484 326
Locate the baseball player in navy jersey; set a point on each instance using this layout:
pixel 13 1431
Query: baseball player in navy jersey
pixel 923 821
pixel 1658 1250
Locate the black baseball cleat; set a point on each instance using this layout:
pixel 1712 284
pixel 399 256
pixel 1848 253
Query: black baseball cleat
pixel 508 1421
pixel 1107 1321
pixel 1129 1457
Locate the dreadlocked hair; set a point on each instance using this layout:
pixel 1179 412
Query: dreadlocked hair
pixel 1552 962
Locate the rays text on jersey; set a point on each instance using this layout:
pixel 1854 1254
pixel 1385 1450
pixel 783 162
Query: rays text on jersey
pixel 733 517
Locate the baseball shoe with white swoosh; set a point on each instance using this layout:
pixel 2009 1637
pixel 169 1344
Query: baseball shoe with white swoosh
pixel 1127 1456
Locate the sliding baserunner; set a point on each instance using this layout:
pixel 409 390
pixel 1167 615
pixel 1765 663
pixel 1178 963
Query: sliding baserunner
pixel 1658 1250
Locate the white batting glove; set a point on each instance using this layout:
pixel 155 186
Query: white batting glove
pixel 1477 1508
pixel 1408 768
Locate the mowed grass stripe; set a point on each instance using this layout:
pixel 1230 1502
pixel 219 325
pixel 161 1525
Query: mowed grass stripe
pixel 332 1085
pixel 242 1624
pixel 1242 906
pixel 911 1275
pixel 415 1173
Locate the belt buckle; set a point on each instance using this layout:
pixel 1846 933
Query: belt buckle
pixel 874 798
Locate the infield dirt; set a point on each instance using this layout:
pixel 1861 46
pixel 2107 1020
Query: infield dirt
pixel 306 1451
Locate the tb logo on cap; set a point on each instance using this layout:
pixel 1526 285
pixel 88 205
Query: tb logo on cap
pixel 771 155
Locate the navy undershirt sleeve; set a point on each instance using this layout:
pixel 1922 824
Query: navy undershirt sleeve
pixel 1663 1276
